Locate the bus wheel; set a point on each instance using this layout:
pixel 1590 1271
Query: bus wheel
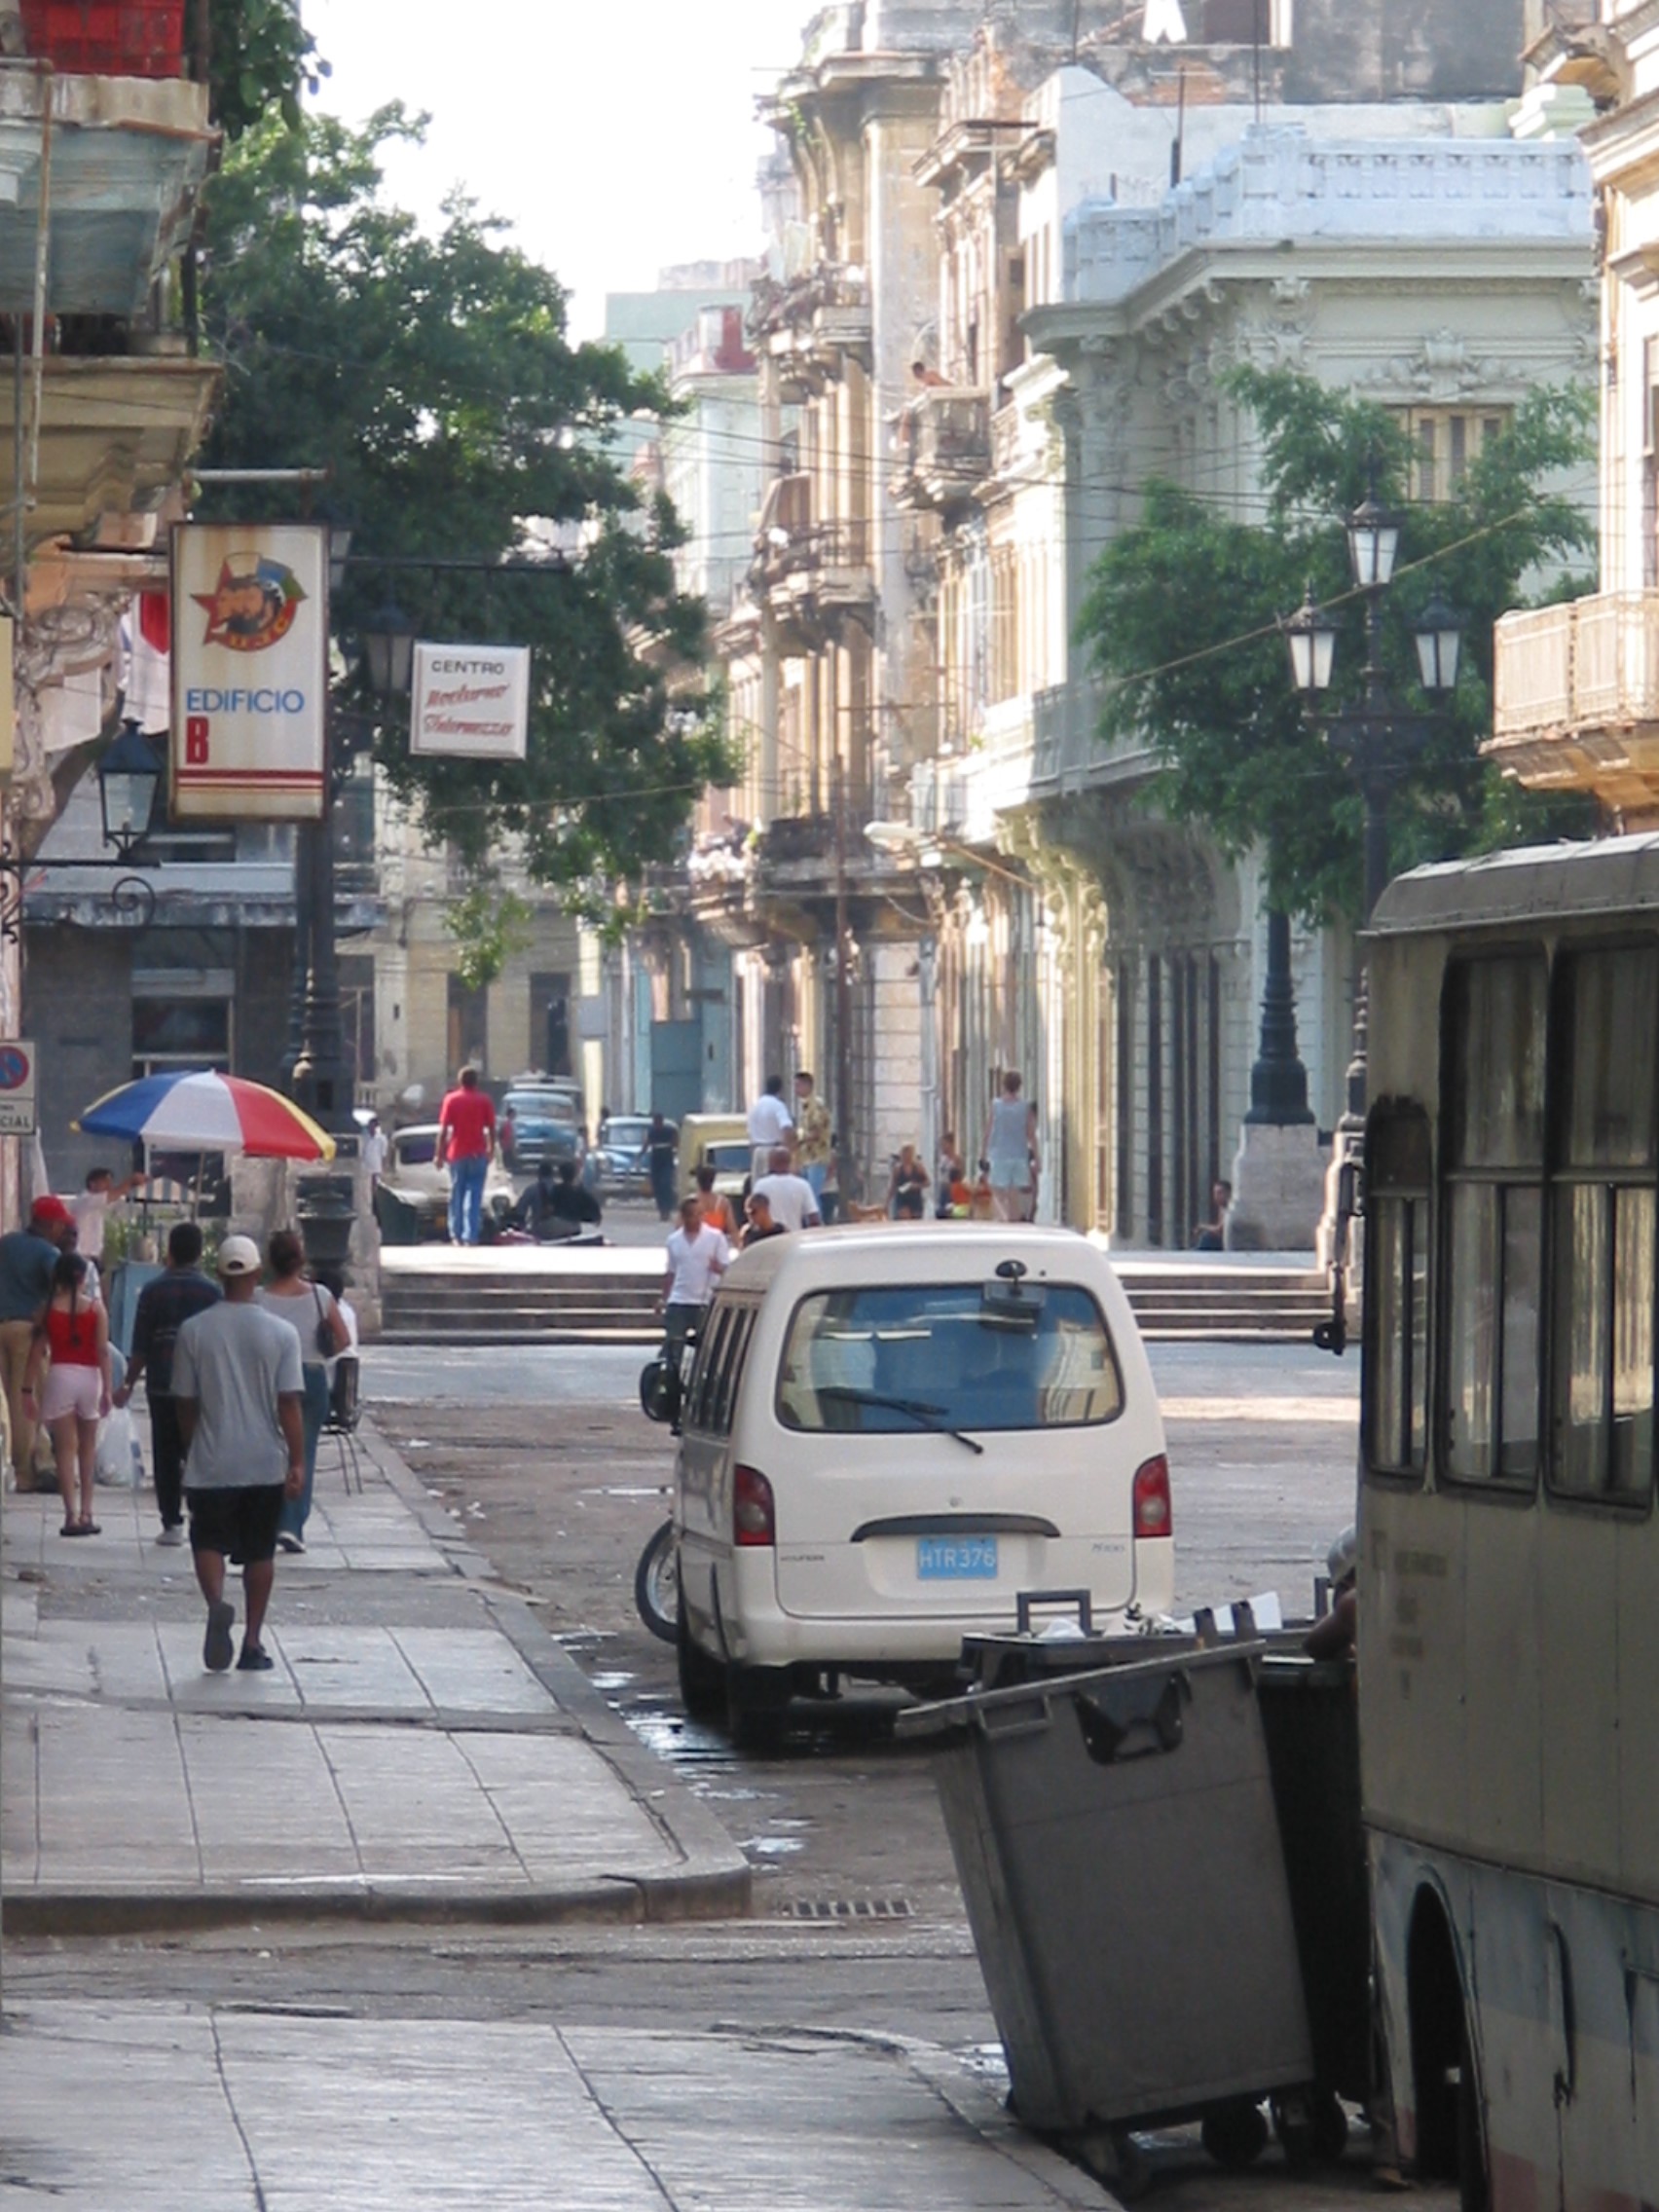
pixel 1236 2135
pixel 1473 2193
pixel 1445 2079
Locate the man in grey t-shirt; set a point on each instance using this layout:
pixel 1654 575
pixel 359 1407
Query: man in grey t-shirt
pixel 238 1389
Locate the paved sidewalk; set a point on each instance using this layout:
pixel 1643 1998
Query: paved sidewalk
pixel 266 2112
pixel 422 1750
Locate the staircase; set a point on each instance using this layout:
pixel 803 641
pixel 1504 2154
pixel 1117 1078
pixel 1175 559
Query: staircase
pixel 608 1296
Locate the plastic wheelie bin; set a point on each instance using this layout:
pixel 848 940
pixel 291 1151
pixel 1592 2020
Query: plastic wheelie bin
pixel 1119 1851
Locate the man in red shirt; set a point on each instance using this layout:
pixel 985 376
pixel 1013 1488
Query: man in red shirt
pixel 466 1134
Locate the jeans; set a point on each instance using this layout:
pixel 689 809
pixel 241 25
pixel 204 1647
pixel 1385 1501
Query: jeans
pixel 166 1459
pixel 814 1172
pixel 313 1413
pixel 467 1197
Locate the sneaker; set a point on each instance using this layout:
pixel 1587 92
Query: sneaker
pixel 216 1646
pixel 173 1533
pixel 254 1660
pixel 287 1542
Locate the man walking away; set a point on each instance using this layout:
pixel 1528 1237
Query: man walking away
pixel 163 1308
pixel 467 1136
pixel 790 1195
pixel 812 1136
pixel 696 1255
pixel 659 1151
pixel 769 1124
pixel 27 1257
pixel 239 1388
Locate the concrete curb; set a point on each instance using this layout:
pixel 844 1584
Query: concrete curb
pixel 714 1881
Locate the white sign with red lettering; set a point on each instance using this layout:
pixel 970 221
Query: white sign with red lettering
pixel 472 700
pixel 250 671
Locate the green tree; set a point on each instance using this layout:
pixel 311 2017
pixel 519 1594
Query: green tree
pixel 1182 619
pixel 259 58
pixel 490 925
pixel 433 377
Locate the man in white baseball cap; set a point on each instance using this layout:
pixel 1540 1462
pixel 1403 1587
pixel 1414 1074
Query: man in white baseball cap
pixel 238 1389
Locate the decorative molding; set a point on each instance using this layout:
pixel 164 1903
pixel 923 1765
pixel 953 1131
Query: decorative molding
pixel 1443 368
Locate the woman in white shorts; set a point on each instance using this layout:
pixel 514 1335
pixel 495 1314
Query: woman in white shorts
pixel 1010 1152
pixel 74 1331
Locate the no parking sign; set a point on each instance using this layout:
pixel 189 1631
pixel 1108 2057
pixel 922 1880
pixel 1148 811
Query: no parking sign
pixel 16 1088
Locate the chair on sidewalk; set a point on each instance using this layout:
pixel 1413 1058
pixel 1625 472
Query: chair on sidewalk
pixel 344 1415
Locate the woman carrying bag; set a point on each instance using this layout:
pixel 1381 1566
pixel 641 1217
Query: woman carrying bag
pixel 310 1307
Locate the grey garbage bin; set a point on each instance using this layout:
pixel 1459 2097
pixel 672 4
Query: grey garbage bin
pixel 1119 1852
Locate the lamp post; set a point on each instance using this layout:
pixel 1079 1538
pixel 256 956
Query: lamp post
pixel 1378 737
pixel 321 1079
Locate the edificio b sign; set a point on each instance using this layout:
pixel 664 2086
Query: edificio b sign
pixel 250 671
pixel 472 701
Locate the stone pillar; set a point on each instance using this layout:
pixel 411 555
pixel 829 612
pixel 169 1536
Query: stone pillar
pixel 1278 1171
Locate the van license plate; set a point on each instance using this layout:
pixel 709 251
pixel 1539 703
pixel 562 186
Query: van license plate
pixel 956 1559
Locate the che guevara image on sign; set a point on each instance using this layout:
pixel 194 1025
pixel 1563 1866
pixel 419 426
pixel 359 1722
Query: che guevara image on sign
pixel 250 671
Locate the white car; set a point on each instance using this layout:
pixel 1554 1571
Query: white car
pixel 887 1435
pixel 414 1173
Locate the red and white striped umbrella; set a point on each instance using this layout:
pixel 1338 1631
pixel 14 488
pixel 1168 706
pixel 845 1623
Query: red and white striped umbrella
pixel 196 1110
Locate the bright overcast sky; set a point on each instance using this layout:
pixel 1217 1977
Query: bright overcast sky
pixel 617 137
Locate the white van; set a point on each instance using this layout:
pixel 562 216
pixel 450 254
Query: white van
pixel 887 1434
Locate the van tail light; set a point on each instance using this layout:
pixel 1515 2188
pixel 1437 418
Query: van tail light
pixel 1152 1516
pixel 753 1516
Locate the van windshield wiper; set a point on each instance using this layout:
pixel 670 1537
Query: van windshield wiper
pixel 918 1408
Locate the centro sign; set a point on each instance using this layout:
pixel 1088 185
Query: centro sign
pixel 472 702
pixel 250 671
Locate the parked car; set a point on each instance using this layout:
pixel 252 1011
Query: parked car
pixel 415 1175
pixel 545 1126
pixel 719 1141
pixel 888 1433
pixel 621 1171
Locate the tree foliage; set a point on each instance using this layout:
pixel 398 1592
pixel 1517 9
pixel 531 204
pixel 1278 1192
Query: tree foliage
pixel 491 926
pixel 1183 612
pixel 261 57
pixel 433 378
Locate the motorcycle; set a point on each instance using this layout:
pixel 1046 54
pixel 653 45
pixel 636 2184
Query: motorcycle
pixel 656 1578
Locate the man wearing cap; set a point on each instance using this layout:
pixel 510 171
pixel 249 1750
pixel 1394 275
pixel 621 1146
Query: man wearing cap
pixel 27 1257
pixel 239 1387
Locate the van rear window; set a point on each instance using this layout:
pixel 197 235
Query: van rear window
pixel 917 1356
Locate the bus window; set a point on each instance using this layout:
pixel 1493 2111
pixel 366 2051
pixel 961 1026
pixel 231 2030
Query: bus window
pixel 1495 1060
pixel 1602 1272
pixel 1397 1181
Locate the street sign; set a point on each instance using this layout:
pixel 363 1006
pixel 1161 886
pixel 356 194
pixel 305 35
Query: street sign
pixel 250 671
pixel 16 1088
pixel 471 701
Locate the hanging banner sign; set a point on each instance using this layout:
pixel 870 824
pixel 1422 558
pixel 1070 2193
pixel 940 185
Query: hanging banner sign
pixel 472 700
pixel 250 671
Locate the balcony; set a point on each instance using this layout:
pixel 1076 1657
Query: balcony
pixel 1575 699
pixel 942 446
pixel 809 326
pixel 812 576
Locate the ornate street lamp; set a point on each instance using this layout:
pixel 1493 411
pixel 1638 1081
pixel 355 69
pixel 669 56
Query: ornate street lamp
pixel 1374 541
pixel 388 650
pixel 129 774
pixel 1312 637
pixel 1439 641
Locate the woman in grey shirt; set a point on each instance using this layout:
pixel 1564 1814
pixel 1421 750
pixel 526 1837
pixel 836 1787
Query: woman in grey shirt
pixel 1011 1148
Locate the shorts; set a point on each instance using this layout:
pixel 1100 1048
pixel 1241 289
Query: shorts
pixel 241 1524
pixel 71 1389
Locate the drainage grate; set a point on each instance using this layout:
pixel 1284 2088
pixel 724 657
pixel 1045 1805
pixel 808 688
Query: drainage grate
pixel 846 1908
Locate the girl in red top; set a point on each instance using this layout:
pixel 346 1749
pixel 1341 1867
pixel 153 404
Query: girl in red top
pixel 73 1330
